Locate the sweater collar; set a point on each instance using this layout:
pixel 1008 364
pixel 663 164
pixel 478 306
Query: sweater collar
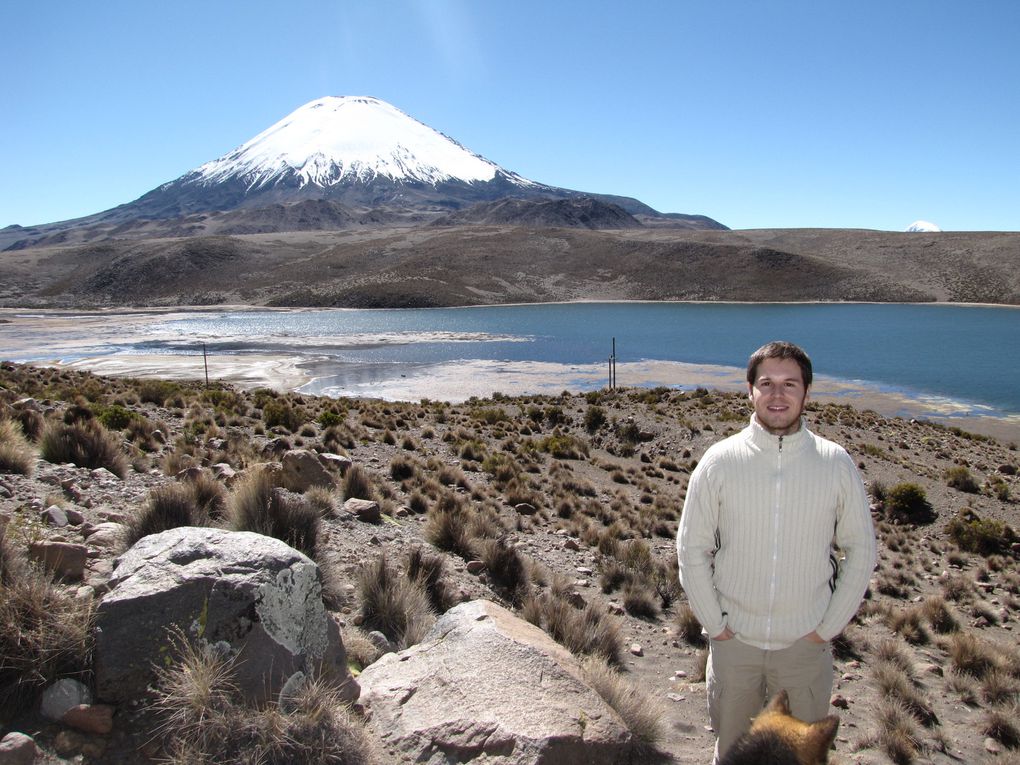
pixel 765 440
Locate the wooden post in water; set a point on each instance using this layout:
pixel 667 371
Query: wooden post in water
pixel 205 361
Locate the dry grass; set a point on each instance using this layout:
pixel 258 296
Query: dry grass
pixel 395 605
pixel 688 627
pixel 588 631
pixel 256 506
pixel 204 721
pixel 643 717
pixel 45 631
pixel 167 507
pixel 16 455
pixel 84 443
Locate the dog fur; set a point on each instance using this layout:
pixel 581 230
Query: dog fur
pixel 778 738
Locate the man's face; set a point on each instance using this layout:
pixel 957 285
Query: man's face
pixel 778 395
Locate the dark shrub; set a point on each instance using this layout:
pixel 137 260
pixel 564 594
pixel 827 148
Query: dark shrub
pixel 959 478
pixel 85 444
pixel 980 535
pixel 908 502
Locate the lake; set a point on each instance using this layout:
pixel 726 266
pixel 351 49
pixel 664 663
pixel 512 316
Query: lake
pixel 963 357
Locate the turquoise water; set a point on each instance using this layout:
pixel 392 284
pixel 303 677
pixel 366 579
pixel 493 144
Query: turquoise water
pixel 965 353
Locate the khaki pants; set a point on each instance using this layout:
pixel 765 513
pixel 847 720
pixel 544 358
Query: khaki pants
pixel 741 678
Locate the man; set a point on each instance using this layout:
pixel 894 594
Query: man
pixel 755 545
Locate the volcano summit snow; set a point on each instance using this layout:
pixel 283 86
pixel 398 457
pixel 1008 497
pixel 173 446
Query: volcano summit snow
pixel 355 150
pixel 350 139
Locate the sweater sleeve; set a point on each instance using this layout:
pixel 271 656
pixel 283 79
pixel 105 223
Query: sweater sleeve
pixel 855 536
pixel 696 544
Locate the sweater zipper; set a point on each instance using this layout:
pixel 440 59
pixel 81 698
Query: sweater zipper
pixel 775 539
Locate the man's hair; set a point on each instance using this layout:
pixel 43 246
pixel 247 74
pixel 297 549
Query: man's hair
pixel 779 349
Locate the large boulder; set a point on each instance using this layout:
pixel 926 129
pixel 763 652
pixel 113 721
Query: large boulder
pixel 487 685
pixel 302 470
pixel 254 593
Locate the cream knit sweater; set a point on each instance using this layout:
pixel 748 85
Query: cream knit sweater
pixel 755 543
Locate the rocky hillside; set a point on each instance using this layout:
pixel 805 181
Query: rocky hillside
pixel 372 266
pixel 552 507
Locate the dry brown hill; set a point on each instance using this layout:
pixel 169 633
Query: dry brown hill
pixel 473 265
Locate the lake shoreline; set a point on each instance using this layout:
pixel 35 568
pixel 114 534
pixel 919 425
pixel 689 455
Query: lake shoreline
pixel 61 337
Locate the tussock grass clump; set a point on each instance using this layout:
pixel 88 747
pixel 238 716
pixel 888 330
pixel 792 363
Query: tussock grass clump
pixel 16 455
pixel 45 631
pixel 893 682
pixel 429 570
pixel 642 716
pixel 589 631
pixel 1003 728
pixel 897 733
pixel 84 443
pixel 448 526
pixel 256 506
pixel 937 613
pixel 972 656
pixel 205 722
pixel 507 569
pixel 688 628
pixel 394 605
pixel 356 484
pixel 166 507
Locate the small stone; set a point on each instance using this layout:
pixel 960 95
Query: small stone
pixel 74 517
pixel 18 749
pixel 680 673
pixel 675 697
pixel 90 718
pixel 993 746
pixel 635 648
pixel 475 567
pixel 839 702
pixel 584 570
pixel 67 743
pixel 525 508
pixel 571 544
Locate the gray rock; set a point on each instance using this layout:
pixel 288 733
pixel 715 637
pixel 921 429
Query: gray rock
pixel 252 592
pixel 302 470
pixel 63 695
pixel 54 515
pixel 487 685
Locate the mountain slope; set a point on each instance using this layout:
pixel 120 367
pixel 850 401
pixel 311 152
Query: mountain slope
pixel 383 166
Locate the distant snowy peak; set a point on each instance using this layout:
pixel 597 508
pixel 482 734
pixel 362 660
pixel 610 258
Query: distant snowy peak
pixel 923 226
pixel 350 139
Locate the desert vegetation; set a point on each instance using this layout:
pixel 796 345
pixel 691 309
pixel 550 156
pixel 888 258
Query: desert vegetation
pixel 561 508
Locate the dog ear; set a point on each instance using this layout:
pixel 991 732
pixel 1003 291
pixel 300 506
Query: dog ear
pixel 819 738
pixel 779 703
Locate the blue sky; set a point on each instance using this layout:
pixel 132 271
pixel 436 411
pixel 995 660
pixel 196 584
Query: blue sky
pixel 758 113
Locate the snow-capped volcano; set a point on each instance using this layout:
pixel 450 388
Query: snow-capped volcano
pixel 923 226
pixel 332 163
pixel 356 150
pixel 351 139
